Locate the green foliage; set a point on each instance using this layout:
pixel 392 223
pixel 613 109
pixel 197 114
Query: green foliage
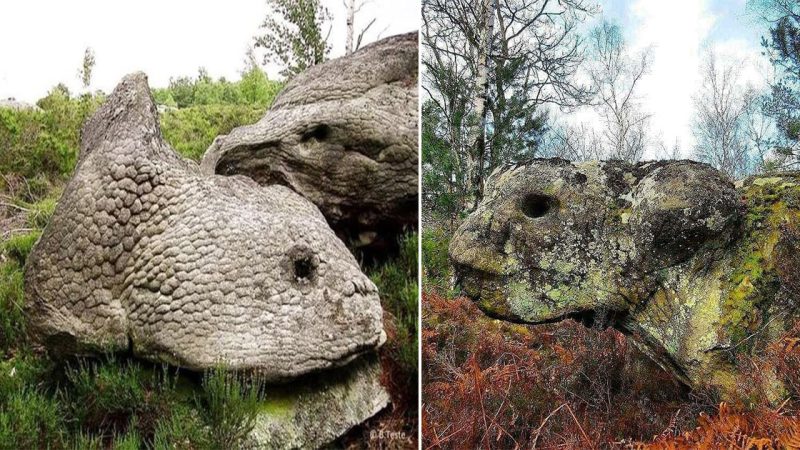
pixel 46 140
pixel 293 35
pixel 19 246
pixel 12 320
pixel 102 390
pixel 191 130
pixel 436 270
pixel 442 176
pixel 128 441
pixel 230 404
pixel 30 419
pixel 398 288
pixel 39 213
pixel 183 429
pixel 254 90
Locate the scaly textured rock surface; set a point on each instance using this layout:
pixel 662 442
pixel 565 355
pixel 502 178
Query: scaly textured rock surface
pixel 343 134
pixel 145 254
pixel 671 253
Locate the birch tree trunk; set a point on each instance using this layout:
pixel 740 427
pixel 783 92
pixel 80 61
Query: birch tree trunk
pixel 351 12
pixel 477 140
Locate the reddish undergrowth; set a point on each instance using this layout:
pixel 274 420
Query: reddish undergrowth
pixel 493 384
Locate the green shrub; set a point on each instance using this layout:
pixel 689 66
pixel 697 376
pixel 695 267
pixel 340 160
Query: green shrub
pixel 191 130
pixel 436 270
pixel 20 371
pixel 254 89
pixel 39 213
pixel 19 246
pixel 82 441
pixel 230 404
pixel 104 396
pixel 29 419
pixel 183 429
pixel 46 140
pixel 12 320
pixel 398 288
pixel 128 441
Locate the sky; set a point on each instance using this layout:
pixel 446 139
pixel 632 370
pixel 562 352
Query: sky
pixel 679 32
pixel 42 42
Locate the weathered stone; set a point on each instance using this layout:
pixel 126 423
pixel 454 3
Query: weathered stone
pixel 344 135
pixel 198 270
pixel 317 409
pixel 668 252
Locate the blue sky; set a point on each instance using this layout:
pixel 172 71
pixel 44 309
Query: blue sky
pixel 679 32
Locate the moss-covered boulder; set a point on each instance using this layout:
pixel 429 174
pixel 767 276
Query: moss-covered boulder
pixel 696 269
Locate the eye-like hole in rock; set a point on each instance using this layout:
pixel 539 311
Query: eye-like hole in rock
pixel 319 132
pixel 303 268
pixel 537 205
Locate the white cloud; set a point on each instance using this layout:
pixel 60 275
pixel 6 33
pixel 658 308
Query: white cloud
pixel 42 41
pixel 676 32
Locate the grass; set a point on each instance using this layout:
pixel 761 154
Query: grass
pixel 399 291
pixel 230 404
pixel 12 322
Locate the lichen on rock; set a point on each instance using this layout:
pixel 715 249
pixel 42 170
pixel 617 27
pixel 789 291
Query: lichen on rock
pixel 668 252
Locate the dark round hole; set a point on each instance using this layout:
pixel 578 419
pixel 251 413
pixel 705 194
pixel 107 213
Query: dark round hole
pixel 303 268
pixel 319 132
pixel 537 205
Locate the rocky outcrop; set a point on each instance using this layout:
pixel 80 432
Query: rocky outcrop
pixel 343 134
pixel 691 266
pixel 145 254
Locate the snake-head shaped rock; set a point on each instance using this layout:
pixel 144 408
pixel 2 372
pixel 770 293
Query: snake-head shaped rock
pixel 663 251
pixel 342 134
pixel 146 254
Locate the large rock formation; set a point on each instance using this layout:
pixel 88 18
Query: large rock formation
pixel 144 254
pixel 669 252
pixel 344 135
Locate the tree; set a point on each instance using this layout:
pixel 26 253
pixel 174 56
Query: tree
pixel 293 36
pixel 489 67
pixel 353 7
pixel 615 75
pixel 673 152
pixel 783 103
pixel 720 124
pixel 573 142
pixel 87 66
pixel 440 176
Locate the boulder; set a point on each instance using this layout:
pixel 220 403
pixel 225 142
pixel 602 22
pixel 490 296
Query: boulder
pixel 343 134
pixel 317 409
pixel 671 253
pixel 144 254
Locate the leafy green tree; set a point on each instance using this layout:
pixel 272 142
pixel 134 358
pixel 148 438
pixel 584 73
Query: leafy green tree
pixel 293 35
pixel 442 176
